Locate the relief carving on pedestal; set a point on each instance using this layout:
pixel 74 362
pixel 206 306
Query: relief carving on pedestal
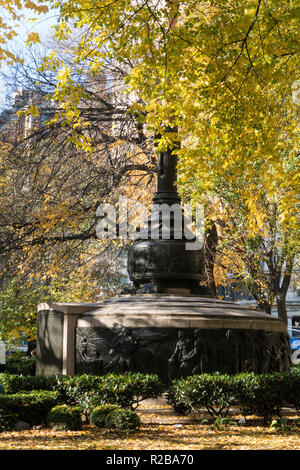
pixel 119 349
pixel 172 352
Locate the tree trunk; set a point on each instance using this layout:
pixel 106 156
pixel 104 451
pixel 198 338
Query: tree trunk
pixel 281 306
pixel 210 255
pixel 281 297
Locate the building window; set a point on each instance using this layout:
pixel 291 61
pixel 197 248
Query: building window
pixel 296 327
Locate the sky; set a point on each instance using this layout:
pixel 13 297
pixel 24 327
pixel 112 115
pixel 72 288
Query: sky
pixel 42 25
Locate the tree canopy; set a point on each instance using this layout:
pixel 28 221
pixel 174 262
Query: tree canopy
pixel 224 73
pixel 12 11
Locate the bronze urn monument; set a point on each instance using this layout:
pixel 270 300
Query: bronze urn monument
pixel 169 325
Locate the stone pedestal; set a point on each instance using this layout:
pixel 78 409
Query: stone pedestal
pixel 170 335
pixel 56 330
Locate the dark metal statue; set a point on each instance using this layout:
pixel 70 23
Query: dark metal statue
pixel 161 264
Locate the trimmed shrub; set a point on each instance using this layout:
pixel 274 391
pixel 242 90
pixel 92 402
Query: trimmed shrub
pixel 65 418
pixel 124 390
pixel 21 365
pixel 73 389
pixel 99 414
pixel 122 420
pixel 144 386
pixel 292 387
pixel 13 383
pixel 31 407
pixel 263 395
pixel 212 391
pixel 129 389
pixel 89 391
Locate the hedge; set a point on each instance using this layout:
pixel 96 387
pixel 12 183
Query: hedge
pixel 116 418
pixel 125 390
pixel 32 407
pixel 262 395
pixel 65 418
pixel 21 365
pixel 13 383
pixel 89 391
pixel 212 391
pixel 122 420
pixel 292 387
pixel 99 414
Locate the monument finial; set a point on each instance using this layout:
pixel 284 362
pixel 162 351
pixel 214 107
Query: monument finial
pixel 167 174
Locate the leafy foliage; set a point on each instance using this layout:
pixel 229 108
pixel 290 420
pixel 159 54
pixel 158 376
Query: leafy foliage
pixel 292 387
pixel 14 383
pixel 122 420
pixel 19 300
pixel 211 391
pixel 30 407
pixel 99 414
pixel 88 391
pixel 281 426
pixel 9 21
pixel 262 395
pixel 31 399
pixel 223 74
pixel 65 418
pixel 126 390
pixel 18 307
pixel 7 420
pixel 22 365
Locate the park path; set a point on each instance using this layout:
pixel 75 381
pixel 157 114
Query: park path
pixel 158 411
